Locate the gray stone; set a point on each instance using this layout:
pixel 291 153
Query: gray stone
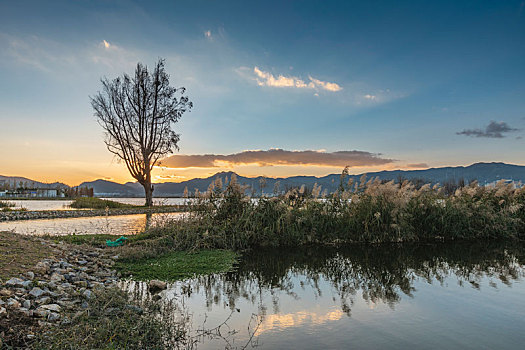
pixel 37 292
pixel 51 307
pixel 12 303
pixel 84 305
pixel 88 294
pixel 15 282
pixel 27 304
pixel 43 300
pixel 82 262
pixel 30 275
pixel 27 284
pixel 56 277
pixel 53 316
pixel 3 311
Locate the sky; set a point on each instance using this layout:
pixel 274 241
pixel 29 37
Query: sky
pixel 279 88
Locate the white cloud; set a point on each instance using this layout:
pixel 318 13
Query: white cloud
pixel 207 35
pixel 268 79
pixel 106 44
pixel 370 97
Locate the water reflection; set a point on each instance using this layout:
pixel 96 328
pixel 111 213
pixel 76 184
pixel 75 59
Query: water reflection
pixel 116 225
pixel 466 295
pixel 63 204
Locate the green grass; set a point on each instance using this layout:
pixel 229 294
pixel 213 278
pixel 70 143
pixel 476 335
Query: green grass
pixel 177 265
pixel 97 203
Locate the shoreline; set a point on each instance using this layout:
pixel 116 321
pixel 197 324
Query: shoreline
pixel 16 215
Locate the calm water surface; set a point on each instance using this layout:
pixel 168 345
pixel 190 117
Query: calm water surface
pixel 117 225
pixel 63 204
pixel 396 297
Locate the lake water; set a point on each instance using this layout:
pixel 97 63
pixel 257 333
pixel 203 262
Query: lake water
pixel 385 297
pixel 63 204
pixel 117 225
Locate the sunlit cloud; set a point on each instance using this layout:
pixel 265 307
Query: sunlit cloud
pixel 268 79
pixel 370 97
pixel 417 165
pixel 273 157
pixel 106 44
pixel 207 35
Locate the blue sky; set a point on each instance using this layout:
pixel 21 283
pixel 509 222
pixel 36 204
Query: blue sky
pixel 399 79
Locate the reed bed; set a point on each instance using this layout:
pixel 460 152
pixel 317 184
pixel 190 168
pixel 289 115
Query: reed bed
pixel 368 211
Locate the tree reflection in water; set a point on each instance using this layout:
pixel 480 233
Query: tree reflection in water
pixel 381 273
pixel 377 273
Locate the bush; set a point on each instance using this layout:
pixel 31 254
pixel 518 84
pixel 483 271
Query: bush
pixel 97 203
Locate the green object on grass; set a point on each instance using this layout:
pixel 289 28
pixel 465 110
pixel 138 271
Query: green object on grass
pixel 116 243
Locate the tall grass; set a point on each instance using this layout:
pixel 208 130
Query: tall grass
pixel 369 211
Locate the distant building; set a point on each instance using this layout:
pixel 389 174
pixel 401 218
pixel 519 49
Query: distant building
pixel 34 193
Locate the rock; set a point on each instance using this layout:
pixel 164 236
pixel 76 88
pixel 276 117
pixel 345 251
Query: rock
pixel 27 304
pixel 3 311
pixel 83 284
pixel 156 286
pixel 42 268
pixel 43 300
pixel 56 277
pixel 40 312
pixel 84 305
pixel 26 284
pixel 5 293
pixel 36 292
pixel 13 303
pixel 53 317
pixel 87 294
pixel 51 307
pixel 82 262
pixel 15 282
pixel 30 275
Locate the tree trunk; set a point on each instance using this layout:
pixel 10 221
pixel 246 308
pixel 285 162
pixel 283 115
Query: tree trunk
pixel 148 190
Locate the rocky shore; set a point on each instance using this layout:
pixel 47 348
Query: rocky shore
pixel 61 214
pixel 57 285
pixel 58 290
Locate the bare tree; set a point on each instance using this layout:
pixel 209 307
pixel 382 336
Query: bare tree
pixel 137 114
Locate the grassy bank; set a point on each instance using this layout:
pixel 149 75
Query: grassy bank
pixel 178 265
pixel 97 203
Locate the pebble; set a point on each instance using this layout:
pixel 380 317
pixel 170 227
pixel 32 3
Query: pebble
pixel 156 286
pixel 36 292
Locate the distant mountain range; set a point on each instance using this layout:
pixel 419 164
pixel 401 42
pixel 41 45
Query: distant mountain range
pixel 482 172
pixel 17 181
